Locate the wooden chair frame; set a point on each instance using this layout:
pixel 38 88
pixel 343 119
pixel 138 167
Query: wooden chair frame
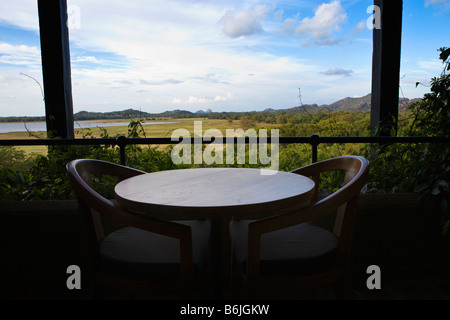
pixel 344 200
pixel 92 206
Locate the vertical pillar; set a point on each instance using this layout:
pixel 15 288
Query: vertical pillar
pixel 386 65
pixel 56 71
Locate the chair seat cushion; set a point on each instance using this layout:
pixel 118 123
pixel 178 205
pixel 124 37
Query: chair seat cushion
pixel 138 254
pixel 299 249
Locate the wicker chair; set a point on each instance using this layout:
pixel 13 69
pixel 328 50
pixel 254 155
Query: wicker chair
pixel 145 255
pixel 288 252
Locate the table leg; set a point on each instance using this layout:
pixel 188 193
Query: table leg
pixel 220 257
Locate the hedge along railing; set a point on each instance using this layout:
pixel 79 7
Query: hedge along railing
pixel 313 140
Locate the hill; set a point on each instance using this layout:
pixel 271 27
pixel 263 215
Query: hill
pixel 128 113
pixel 346 104
pixel 350 104
pixel 364 103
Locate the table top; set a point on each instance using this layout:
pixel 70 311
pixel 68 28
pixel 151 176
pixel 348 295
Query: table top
pixel 213 191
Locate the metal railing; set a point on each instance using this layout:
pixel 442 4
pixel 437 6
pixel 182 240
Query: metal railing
pixel 313 140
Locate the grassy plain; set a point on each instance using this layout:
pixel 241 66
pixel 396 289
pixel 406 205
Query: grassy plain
pixel 151 130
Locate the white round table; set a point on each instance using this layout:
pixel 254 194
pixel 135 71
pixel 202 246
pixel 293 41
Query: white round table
pixel 218 194
pixel 213 191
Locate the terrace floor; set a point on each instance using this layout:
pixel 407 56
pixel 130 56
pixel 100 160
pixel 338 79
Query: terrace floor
pixel 399 282
pixel 38 243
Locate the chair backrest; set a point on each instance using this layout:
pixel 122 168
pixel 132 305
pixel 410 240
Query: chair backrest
pixel 344 200
pixel 90 202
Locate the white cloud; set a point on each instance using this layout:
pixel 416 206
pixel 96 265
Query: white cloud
pixel 202 100
pixel 156 54
pixel 6 48
pixel 19 54
pixel 196 100
pixel 434 65
pixel 278 15
pixel 362 25
pixel 338 72
pixel 20 95
pixel 327 19
pixel 227 97
pixel 434 2
pixel 191 100
pixel 438 5
pixel 332 90
pixel 160 82
pixel 21 13
pixel 288 25
pixel 190 72
pixel 85 59
pixel 244 23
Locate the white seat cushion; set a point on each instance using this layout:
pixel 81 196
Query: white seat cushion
pixel 138 254
pixel 295 249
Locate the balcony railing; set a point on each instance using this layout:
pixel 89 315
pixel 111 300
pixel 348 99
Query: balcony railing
pixel 313 140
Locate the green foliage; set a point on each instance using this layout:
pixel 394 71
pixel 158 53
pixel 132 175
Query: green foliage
pixel 247 122
pixel 22 119
pixel 331 124
pixel 128 113
pixel 422 168
pixel 10 157
pixel 14 181
pixel 45 177
pixel 13 184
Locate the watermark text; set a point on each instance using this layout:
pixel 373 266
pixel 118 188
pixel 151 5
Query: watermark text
pixel 215 153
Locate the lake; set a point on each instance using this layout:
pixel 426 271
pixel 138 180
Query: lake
pixel 6 127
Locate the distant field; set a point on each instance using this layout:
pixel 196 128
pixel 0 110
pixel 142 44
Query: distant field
pixel 156 130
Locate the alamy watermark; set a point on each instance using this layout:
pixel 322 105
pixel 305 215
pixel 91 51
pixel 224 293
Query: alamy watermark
pixel 73 17
pixel 74 280
pixel 374 21
pixel 213 153
pixel 374 280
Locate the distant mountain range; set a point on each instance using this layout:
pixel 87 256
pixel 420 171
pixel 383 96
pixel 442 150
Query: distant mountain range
pixel 346 104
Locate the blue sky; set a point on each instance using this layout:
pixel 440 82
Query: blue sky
pixel 235 55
